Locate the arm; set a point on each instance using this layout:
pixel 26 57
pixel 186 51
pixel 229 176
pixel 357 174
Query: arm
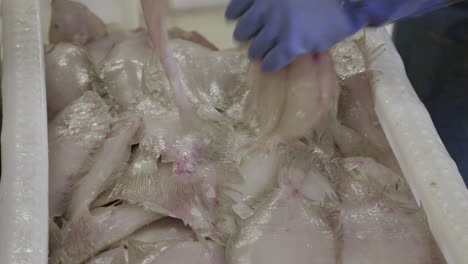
pixel 379 12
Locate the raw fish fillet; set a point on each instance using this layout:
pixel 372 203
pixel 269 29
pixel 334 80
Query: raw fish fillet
pixel 367 178
pixel 266 101
pixel 173 252
pixel 156 189
pixel 73 22
pixel 106 226
pixel 311 91
pixel 69 73
pixel 160 135
pixel 98 49
pixel 216 90
pixel 293 102
pixel 377 230
pixel 122 70
pixel 74 135
pixel 258 170
pixel 318 188
pixel 108 257
pixel 167 229
pixel 356 111
pixel 55 236
pixel 163 230
pixel 107 163
pixel 285 228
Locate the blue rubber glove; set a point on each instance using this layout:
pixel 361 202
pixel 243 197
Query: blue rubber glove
pixel 284 29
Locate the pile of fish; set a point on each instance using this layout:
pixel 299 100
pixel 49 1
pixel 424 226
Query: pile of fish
pixel 164 149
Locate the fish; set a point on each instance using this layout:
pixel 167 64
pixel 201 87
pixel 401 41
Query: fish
pixel 195 252
pixel 73 22
pixel 109 257
pixel 122 70
pixel 378 230
pixel 113 154
pixel 163 230
pixel 365 177
pixel 98 49
pixel 107 225
pixel 69 74
pixel 74 136
pixel 258 170
pixel 356 112
pixel 284 228
pixel 311 91
pixel 203 158
pixel 293 102
pixel 156 190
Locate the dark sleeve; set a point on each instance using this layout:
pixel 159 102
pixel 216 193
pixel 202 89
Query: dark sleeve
pixel 380 12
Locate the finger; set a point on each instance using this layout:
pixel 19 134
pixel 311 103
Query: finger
pixel 265 40
pixel 249 24
pixel 277 58
pixel 237 8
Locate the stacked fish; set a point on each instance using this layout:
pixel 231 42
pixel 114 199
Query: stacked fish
pixel 164 149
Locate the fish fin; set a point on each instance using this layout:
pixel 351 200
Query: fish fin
pixel 135 188
pixel 59 256
pixel 363 44
pixel 77 232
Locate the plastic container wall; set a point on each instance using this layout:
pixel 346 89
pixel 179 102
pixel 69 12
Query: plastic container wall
pixel 432 175
pixel 24 185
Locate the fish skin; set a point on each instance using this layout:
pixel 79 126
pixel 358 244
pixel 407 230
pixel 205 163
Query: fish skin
pixel 258 170
pixel 74 135
pixel 113 154
pixel 173 252
pixel 291 103
pixel 356 111
pixel 284 229
pixel 69 73
pixel 163 230
pixel 266 101
pixel 166 195
pixel 98 49
pixel 107 257
pixel 74 22
pixel 312 89
pixel 105 226
pixel 377 230
pixel 122 70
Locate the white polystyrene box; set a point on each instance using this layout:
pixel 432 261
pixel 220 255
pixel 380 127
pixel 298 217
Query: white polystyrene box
pixel 24 183
pixel 431 173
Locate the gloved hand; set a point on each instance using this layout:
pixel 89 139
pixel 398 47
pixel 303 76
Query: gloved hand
pixel 284 29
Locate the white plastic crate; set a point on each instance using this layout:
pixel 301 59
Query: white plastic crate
pixel 431 173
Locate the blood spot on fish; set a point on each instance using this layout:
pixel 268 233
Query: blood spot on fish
pixel 70 179
pixel 315 57
pixel 295 192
